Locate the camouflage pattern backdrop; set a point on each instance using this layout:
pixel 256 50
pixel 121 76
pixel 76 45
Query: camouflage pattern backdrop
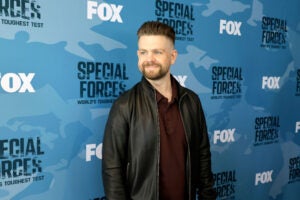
pixel 63 63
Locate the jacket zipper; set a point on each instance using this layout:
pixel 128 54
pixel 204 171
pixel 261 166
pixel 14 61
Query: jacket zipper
pixel 158 148
pixel 188 150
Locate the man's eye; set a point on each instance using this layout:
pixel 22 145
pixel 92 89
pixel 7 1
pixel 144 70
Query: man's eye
pixel 157 52
pixel 143 52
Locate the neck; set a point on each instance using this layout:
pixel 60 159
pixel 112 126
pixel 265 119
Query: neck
pixel 163 86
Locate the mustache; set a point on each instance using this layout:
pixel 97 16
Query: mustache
pixel 150 63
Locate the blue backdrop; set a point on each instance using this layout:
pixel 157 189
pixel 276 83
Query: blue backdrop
pixel 63 63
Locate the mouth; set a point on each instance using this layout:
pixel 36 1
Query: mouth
pixel 151 65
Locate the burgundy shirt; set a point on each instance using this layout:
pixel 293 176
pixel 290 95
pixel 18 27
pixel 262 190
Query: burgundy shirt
pixel 172 177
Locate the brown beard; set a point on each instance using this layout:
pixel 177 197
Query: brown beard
pixel 161 73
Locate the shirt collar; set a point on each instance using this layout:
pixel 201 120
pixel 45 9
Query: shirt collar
pixel 159 96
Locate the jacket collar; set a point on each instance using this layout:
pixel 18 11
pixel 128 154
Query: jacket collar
pixel 180 90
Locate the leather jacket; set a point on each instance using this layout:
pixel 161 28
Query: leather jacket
pixel 131 145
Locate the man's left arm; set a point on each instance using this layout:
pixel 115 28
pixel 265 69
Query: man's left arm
pixel 206 188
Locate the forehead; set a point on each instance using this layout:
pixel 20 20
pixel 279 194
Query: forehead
pixel 154 41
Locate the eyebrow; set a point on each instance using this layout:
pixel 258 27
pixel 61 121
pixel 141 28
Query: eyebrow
pixel 152 49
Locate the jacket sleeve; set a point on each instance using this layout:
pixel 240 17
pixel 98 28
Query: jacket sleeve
pixel 114 159
pixel 206 189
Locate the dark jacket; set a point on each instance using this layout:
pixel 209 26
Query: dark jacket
pixel 131 144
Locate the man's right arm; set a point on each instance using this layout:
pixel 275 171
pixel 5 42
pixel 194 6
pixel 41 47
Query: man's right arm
pixel 114 159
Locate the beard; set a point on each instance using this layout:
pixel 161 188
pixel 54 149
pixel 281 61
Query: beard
pixel 154 74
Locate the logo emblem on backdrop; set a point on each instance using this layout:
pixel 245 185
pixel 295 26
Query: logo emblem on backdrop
pixel 93 150
pixel 104 11
pixel 21 161
pixel 230 27
pixel 177 15
pixel 224 136
pixel 294 169
pixel 297 129
pixel 226 82
pixel 271 83
pixel 274 33
pixel 266 130
pixel 17 82
pixel 22 14
pixel 225 184
pixel 101 83
pixel 298 83
pixel 263 177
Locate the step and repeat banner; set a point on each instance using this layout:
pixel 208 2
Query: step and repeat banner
pixel 63 63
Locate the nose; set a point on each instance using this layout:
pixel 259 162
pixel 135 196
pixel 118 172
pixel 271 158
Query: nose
pixel 150 56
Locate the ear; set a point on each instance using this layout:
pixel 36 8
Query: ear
pixel 174 54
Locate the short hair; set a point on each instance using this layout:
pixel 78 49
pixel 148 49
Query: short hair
pixel 156 28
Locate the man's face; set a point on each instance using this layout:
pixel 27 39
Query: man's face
pixel 155 56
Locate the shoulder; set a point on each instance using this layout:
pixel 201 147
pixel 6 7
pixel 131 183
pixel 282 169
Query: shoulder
pixel 127 99
pixel 187 93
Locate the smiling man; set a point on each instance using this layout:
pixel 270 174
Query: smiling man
pixel 155 144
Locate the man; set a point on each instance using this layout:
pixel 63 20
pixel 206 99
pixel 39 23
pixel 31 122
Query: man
pixel 155 143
